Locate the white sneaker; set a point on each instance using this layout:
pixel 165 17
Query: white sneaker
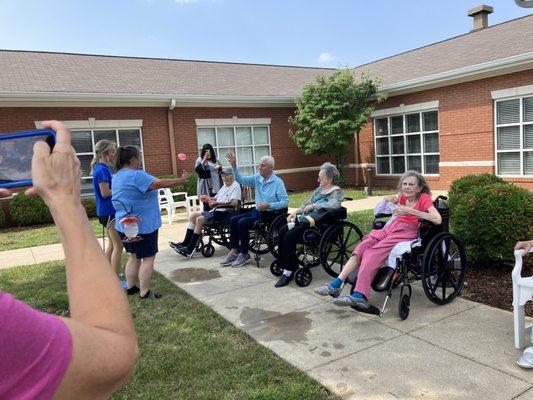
pixel 229 259
pixel 241 260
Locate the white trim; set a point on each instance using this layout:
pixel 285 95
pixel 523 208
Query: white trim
pixel 365 165
pixel 307 169
pixel 405 109
pixel 92 123
pixel 482 163
pixel 235 121
pixel 512 92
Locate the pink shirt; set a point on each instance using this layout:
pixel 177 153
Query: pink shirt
pixel 424 203
pixel 35 350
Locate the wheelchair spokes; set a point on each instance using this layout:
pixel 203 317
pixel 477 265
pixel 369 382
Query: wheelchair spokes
pixel 337 245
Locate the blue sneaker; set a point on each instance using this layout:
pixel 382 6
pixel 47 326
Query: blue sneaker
pixel 124 284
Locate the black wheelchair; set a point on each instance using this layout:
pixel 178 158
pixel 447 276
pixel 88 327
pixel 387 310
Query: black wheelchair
pixel 436 258
pixel 217 230
pixel 329 243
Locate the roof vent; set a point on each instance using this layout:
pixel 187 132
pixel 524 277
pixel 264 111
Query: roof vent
pixel 481 16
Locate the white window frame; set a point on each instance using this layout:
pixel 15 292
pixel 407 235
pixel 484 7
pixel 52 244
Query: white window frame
pixel 235 146
pixel 521 123
pixel 403 112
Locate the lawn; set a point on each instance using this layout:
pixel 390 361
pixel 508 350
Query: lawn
pixel 297 199
pixel 363 220
pixel 38 235
pixel 187 350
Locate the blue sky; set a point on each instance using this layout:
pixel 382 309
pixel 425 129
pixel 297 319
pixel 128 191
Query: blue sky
pixel 328 33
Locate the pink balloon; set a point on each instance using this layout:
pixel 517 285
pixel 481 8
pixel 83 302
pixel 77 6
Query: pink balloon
pixel 182 156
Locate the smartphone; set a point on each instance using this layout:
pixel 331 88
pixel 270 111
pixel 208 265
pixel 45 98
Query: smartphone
pixel 16 152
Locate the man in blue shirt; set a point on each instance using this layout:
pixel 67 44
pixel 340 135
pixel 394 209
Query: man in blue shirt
pixel 270 196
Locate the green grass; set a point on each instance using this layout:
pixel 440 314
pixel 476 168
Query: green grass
pixel 297 199
pixel 363 220
pixel 29 236
pixel 187 350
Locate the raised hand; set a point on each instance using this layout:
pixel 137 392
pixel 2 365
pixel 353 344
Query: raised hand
pixel 232 159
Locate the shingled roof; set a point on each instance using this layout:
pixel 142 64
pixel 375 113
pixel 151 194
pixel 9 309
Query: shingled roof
pixel 37 73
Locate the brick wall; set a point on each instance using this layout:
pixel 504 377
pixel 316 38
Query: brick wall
pixel 466 122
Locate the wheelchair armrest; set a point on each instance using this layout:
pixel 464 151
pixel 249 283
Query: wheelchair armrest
pixel 248 203
pixel 289 190
pixel 347 199
pixel 382 216
pixel 224 208
pixel 441 197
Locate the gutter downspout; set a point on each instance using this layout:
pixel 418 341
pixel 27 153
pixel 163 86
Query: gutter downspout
pixel 171 137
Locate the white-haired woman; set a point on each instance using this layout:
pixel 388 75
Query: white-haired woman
pixel 104 157
pixel 414 203
pixel 327 196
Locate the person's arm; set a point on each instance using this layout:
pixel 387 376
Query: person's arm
pixel 281 194
pixel 243 180
pixel 526 245
pixel 432 214
pixel 103 335
pixel 166 183
pixel 333 202
pixel 105 190
pixel 202 170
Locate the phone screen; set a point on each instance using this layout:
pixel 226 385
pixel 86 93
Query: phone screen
pixel 15 157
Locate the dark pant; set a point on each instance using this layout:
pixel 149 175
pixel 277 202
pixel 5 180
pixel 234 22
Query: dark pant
pixel 287 241
pixel 240 226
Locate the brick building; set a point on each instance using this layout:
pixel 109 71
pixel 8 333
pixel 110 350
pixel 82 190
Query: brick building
pixel 455 107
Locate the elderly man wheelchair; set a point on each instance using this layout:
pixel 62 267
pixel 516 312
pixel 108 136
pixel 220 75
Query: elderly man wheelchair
pixel 424 249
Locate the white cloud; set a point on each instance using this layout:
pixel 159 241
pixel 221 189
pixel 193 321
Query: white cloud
pixel 326 58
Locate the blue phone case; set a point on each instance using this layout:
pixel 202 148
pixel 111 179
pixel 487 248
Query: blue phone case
pixel 16 135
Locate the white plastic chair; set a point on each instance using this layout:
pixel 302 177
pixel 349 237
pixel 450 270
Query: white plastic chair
pixel 194 205
pixel 168 203
pixel 522 293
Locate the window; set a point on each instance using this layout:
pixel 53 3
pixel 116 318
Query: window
pixel 514 137
pixel 407 141
pixel 248 143
pixel 83 142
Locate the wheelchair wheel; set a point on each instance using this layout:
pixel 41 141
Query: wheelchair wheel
pixel 444 268
pixel 273 233
pixel 200 245
pixel 303 277
pixel 404 306
pixel 208 250
pixel 337 245
pixel 223 239
pixel 259 240
pixel 275 268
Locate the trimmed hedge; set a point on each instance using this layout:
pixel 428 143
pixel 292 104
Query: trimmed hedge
pixel 2 216
pixel 90 207
pixel 489 218
pixel 463 185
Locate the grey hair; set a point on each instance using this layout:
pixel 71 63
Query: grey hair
pixel 270 160
pixel 331 171
pixel 421 181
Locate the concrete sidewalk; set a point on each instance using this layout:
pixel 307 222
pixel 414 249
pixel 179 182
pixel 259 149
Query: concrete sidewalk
pixel 463 350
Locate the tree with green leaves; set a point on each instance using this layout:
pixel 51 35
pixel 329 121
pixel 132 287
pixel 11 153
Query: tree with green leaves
pixel 331 111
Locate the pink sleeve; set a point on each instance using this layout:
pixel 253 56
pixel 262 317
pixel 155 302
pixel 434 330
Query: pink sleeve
pixel 425 202
pixel 36 349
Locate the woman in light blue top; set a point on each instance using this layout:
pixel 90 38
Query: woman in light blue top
pixel 135 194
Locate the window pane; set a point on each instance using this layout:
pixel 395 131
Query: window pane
pixel 528 109
pixel 528 163
pixel 381 127
pixel 382 145
pixel 260 135
pixel 222 155
pixel 508 163
pixel 261 151
pixel 528 136
pixel 397 145
pixel 247 171
pixel 413 144
pixel 431 164
pixel 414 162
pixel 413 122
pixel 82 141
pixel 243 136
pixel 85 166
pixel 107 135
pixel 383 165
pixel 398 165
pixel 206 135
pixel 87 189
pixel 396 125
pixel 225 137
pixel 508 138
pixel 508 111
pixel 245 156
pixel 129 137
pixel 430 121
pixel 431 143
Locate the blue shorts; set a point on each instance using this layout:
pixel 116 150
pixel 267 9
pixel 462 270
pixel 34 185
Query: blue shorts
pixel 209 216
pixel 147 247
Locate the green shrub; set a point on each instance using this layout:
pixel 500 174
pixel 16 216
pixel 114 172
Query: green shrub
pixel 90 207
pixel 189 186
pixel 26 210
pixel 2 216
pixel 463 185
pixel 490 219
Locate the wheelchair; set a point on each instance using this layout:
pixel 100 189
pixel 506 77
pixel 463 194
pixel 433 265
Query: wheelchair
pixel 436 258
pixel 329 243
pixel 216 231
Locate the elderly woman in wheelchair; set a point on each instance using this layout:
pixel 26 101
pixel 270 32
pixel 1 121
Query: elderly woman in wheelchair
pixel 326 197
pixel 412 204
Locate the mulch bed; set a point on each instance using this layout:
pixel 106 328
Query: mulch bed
pixel 492 284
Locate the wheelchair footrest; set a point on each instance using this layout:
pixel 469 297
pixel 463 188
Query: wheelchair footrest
pixel 370 310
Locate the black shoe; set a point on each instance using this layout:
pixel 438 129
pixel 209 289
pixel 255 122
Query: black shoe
pixel 150 296
pixel 283 281
pixel 132 290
